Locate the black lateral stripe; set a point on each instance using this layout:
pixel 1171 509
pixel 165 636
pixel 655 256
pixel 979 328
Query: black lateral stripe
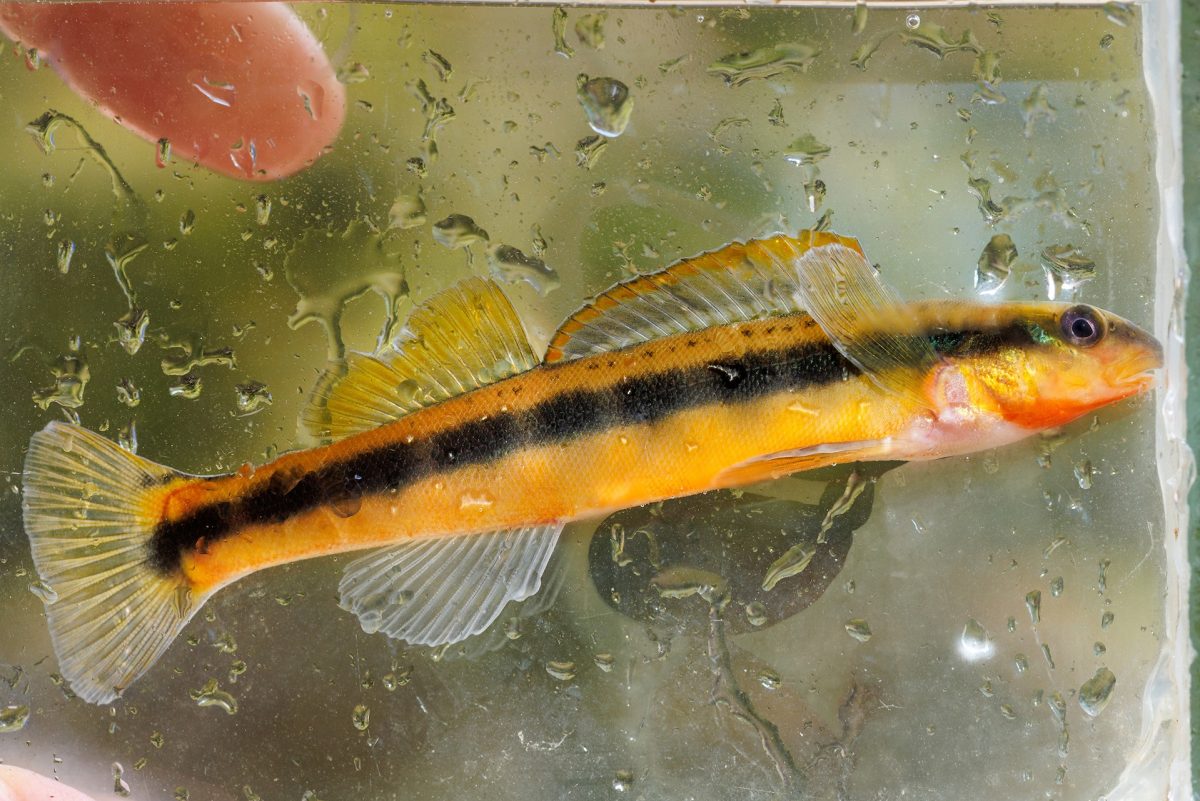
pixel 632 400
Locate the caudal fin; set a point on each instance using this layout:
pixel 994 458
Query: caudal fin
pixel 90 510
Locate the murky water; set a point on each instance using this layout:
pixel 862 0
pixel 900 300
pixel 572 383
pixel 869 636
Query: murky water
pixel 979 627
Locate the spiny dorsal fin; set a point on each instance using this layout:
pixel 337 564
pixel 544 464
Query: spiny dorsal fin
pixel 460 339
pixel 718 288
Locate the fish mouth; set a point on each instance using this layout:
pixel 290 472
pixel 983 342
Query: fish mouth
pixel 1134 371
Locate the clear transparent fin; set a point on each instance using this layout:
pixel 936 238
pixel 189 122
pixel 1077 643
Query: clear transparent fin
pixel 776 465
pixel 90 511
pixel 444 589
pixel 717 288
pixel 460 339
pixel 860 314
pixel 520 613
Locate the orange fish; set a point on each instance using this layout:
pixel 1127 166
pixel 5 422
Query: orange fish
pixel 458 457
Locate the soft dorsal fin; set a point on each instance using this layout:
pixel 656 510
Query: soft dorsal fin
pixel 460 339
pixel 733 284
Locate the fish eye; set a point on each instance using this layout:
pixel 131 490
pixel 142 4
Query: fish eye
pixel 1081 325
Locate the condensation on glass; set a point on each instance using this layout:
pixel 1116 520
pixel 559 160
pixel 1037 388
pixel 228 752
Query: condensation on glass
pixel 1005 624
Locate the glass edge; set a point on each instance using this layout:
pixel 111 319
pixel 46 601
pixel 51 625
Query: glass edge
pixel 1167 697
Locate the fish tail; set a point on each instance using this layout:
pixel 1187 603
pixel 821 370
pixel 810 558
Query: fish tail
pixel 90 510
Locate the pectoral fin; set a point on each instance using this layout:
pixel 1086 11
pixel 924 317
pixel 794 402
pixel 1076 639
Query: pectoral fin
pixel 777 465
pixel 862 316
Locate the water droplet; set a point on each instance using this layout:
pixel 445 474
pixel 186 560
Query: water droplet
pixel 186 386
pixel 162 153
pixel 775 115
pixel 211 695
pixel 225 643
pixel 439 63
pixel 793 562
pixel 756 614
pixel 262 209
pixel 408 211
pixel 1102 577
pixel 765 62
pixel 458 231
pixel 769 679
pixel 187 222
pixel 1056 586
pixel 606 104
pixel 1096 692
pixel 120 786
pixel 995 263
pixel 1007 711
pixel 1048 656
pixel 986 72
pixel 128 393
pixel 590 29
pixel 1099 649
pixel 1037 107
pixel 1119 13
pixel 1033 603
pixel 252 397
pixel 219 92
pixel 71 376
pixel 623 781
pixel 561 670
pixel 589 149
pixel 353 72
pixel 558 26
pixel 667 67
pixel 864 51
pixel 13 718
pixel 858 23
pixel 44 591
pixel 858 629
pixel 992 211
pixel 511 265
pixel 66 250
pixel 157 740
pixel 1083 474
pixel 974 644
pixel 1107 619
pixel 604 661
pixel 806 151
pixel 131 329
pixel 1021 663
pixel 1106 41
pixel 361 717
pixel 935 39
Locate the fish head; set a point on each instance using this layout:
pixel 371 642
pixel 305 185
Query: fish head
pixel 1056 361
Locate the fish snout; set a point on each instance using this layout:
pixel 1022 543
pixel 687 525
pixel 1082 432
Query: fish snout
pixel 1133 356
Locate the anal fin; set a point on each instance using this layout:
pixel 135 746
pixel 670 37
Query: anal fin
pixel 444 589
pixel 777 465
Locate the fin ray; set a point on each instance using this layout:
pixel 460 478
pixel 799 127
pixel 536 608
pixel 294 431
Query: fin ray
pixel 444 589
pixel 89 512
pixel 460 339
pixel 777 465
pixel 862 316
pixel 716 288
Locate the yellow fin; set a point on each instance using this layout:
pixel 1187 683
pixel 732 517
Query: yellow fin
pixel 716 288
pixel 777 465
pixel 460 339
pixel 862 316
